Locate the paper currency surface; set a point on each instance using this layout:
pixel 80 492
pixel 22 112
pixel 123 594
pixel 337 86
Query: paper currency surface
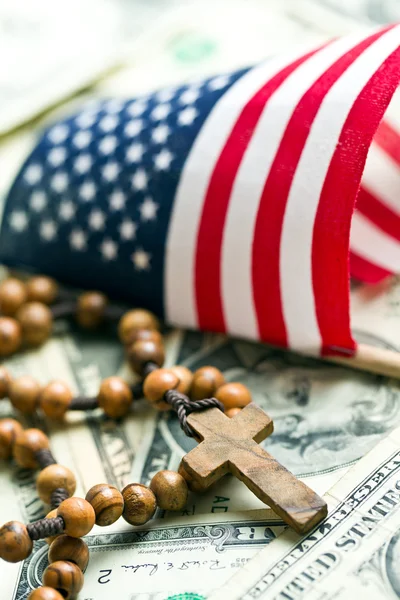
pixel 354 552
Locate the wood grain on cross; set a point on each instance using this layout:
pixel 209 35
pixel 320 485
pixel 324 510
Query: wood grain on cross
pixel 230 445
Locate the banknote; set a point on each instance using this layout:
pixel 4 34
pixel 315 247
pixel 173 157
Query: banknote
pixel 354 551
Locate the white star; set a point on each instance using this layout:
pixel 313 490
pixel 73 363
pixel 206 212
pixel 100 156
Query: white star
pixel 139 180
pixel 78 239
pixel 83 163
pixel 48 230
pixel 160 112
pixel 58 133
pixel 96 220
pixel 86 119
pixel 87 191
pixel 135 152
pixel 108 144
pixel 187 116
pixel 59 182
pixel 134 127
pixel 110 171
pixel 148 209
pixel 166 95
pixel 137 108
pixel 33 174
pixel 38 201
pixel 127 229
pixel 163 160
pixel 18 220
pixel 160 134
pixel 82 139
pixel 67 210
pixel 189 96
pixel 218 82
pixel 109 249
pixel 57 156
pixel 117 200
pixel 114 105
pixel 108 123
pixel 141 259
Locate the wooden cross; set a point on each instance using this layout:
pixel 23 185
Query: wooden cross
pixel 231 445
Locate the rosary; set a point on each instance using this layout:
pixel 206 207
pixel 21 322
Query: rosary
pixel 217 414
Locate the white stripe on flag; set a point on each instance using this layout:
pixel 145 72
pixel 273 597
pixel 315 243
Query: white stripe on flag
pixel 372 244
pixel 296 245
pixel 244 204
pixel 179 273
pixel 381 177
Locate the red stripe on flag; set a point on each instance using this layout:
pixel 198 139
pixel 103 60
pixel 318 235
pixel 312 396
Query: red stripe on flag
pixel 268 229
pixel 389 140
pixel 377 212
pixel 366 271
pixel 209 244
pixel 331 243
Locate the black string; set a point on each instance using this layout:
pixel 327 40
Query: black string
pixel 45 528
pixel 58 496
pixel 183 407
pixel 45 458
pixel 83 403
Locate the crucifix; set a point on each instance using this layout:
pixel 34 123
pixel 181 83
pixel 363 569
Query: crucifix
pixel 230 445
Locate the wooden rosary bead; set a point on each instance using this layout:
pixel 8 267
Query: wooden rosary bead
pixel 53 477
pixel 233 395
pixel 5 380
pixel 185 378
pixel 65 577
pixel 231 412
pixel 12 296
pixel 41 289
pixel 142 352
pixel 26 444
pixel 156 384
pixel 9 429
pixel 10 335
pixel 51 515
pixel 69 548
pixel 139 504
pixel 55 399
pixel 134 320
pixel 107 502
pixel 115 397
pixel 91 308
pixel 15 543
pixel 206 381
pixel 45 593
pixel 79 516
pixel 36 322
pixel 24 394
pixel 170 490
pixel 146 335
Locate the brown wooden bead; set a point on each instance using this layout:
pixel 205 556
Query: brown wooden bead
pixel 65 577
pixel 53 477
pixel 115 397
pixel 26 444
pixel 51 515
pixel 15 543
pixel 41 289
pixel 5 380
pixel 12 296
pixel 139 503
pixel 231 412
pixel 55 399
pixel 206 381
pixel 185 378
pixel 24 394
pixel 146 335
pixel 69 548
pixel 156 384
pixel 36 322
pixel 9 429
pixel 233 395
pixel 10 335
pixel 142 352
pixel 170 490
pixel 91 309
pixel 79 516
pixel 190 482
pixel 107 503
pixel 45 593
pixel 133 321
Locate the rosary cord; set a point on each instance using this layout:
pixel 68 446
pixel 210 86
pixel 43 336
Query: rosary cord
pixel 45 528
pixel 183 407
pixel 45 458
pixel 58 496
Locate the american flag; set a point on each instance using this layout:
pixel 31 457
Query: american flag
pixel 226 204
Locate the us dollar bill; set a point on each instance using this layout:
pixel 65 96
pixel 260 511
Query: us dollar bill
pixel 353 552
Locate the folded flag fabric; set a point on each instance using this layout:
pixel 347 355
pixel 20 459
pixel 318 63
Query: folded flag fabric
pixel 226 205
